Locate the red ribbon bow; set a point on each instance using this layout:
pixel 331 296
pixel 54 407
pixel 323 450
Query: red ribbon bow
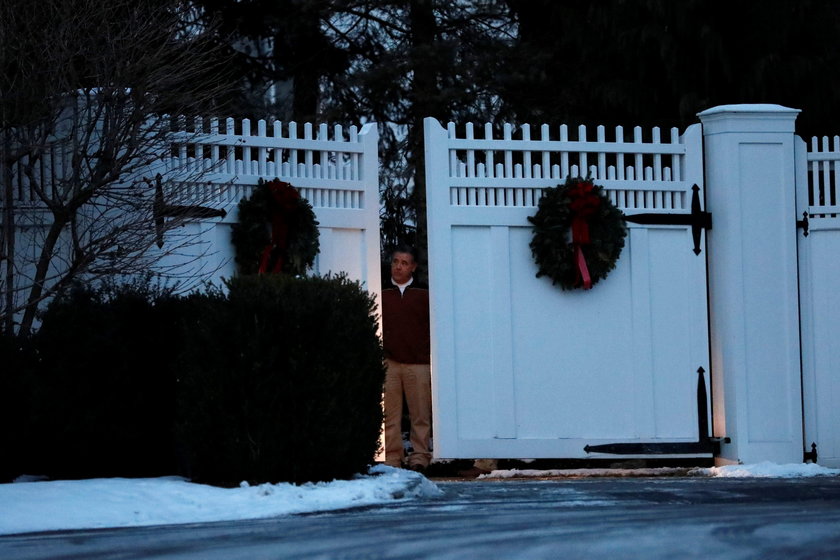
pixel 281 205
pixel 584 202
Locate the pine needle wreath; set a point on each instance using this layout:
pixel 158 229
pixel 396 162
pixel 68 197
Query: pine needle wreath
pixel 558 222
pixel 260 215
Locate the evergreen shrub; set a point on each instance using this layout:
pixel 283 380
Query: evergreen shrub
pixel 104 389
pixel 18 363
pixel 282 382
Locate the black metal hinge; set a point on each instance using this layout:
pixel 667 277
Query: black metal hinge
pixel 704 443
pixel 698 219
pixel 810 455
pixel 803 223
pixel 161 210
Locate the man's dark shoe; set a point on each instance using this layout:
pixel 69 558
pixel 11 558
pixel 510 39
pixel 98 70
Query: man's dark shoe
pixel 418 468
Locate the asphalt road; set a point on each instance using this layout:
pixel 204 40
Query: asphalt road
pixel 650 518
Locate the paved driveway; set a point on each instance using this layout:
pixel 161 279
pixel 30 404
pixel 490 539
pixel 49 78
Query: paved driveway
pixel 530 519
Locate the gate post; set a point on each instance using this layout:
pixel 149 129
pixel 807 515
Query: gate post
pixel 753 294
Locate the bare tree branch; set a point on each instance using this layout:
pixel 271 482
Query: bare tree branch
pixel 86 90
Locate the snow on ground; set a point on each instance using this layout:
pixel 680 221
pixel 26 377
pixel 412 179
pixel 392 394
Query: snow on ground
pixel 769 470
pixel 118 502
pixel 761 470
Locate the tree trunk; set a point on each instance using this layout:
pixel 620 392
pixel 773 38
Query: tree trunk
pixel 8 256
pixel 306 70
pixel 36 292
pixel 424 102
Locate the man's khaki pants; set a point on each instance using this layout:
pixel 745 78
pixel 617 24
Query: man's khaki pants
pixel 415 381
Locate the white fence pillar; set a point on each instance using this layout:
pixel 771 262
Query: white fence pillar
pixel 754 314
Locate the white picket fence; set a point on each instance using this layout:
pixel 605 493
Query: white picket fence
pixel 478 165
pixel 335 169
pixel 329 171
pixel 215 163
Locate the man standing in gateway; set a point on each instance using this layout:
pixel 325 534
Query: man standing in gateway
pixel 405 326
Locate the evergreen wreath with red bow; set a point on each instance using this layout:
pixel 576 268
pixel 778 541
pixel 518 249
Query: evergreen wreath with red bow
pixel 276 232
pixel 578 234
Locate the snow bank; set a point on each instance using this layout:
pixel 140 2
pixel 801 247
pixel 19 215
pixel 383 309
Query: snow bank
pixel 117 502
pixel 758 470
pixel 767 470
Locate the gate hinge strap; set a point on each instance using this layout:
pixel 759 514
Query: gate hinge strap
pixel 698 219
pixel 703 445
pixel 803 223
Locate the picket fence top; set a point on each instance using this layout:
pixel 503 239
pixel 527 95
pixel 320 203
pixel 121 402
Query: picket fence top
pixel 550 137
pixel 269 134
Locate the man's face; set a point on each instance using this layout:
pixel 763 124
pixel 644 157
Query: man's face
pixel 402 267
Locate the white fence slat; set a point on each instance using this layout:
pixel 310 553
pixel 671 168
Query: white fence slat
pixel 564 155
pixel 488 154
pixel 526 156
pixel 674 168
pixel 639 161
pixel 470 168
pixel 582 155
pixel 293 153
pixel 340 163
pixel 657 158
pixel 546 155
pixel 308 155
pixel 813 196
pixel 214 148
pixel 508 135
pixel 824 190
pixel 262 152
pixel 323 170
pixel 230 152
pixel 619 157
pixel 355 170
pixel 454 168
pixel 600 134
pixel 246 149
pixel 277 129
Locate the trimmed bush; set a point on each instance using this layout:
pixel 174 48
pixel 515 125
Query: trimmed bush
pixel 18 364
pixel 104 391
pixel 282 382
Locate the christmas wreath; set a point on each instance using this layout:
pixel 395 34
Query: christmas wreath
pixel 578 234
pixel 277 231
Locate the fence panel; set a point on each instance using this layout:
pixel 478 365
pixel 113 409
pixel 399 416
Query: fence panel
pixel 522 369
pixel 214 164
pixel 335 169
pixel 818 170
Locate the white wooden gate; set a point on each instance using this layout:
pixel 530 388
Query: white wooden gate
pixel 522 369
pixel 818 179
